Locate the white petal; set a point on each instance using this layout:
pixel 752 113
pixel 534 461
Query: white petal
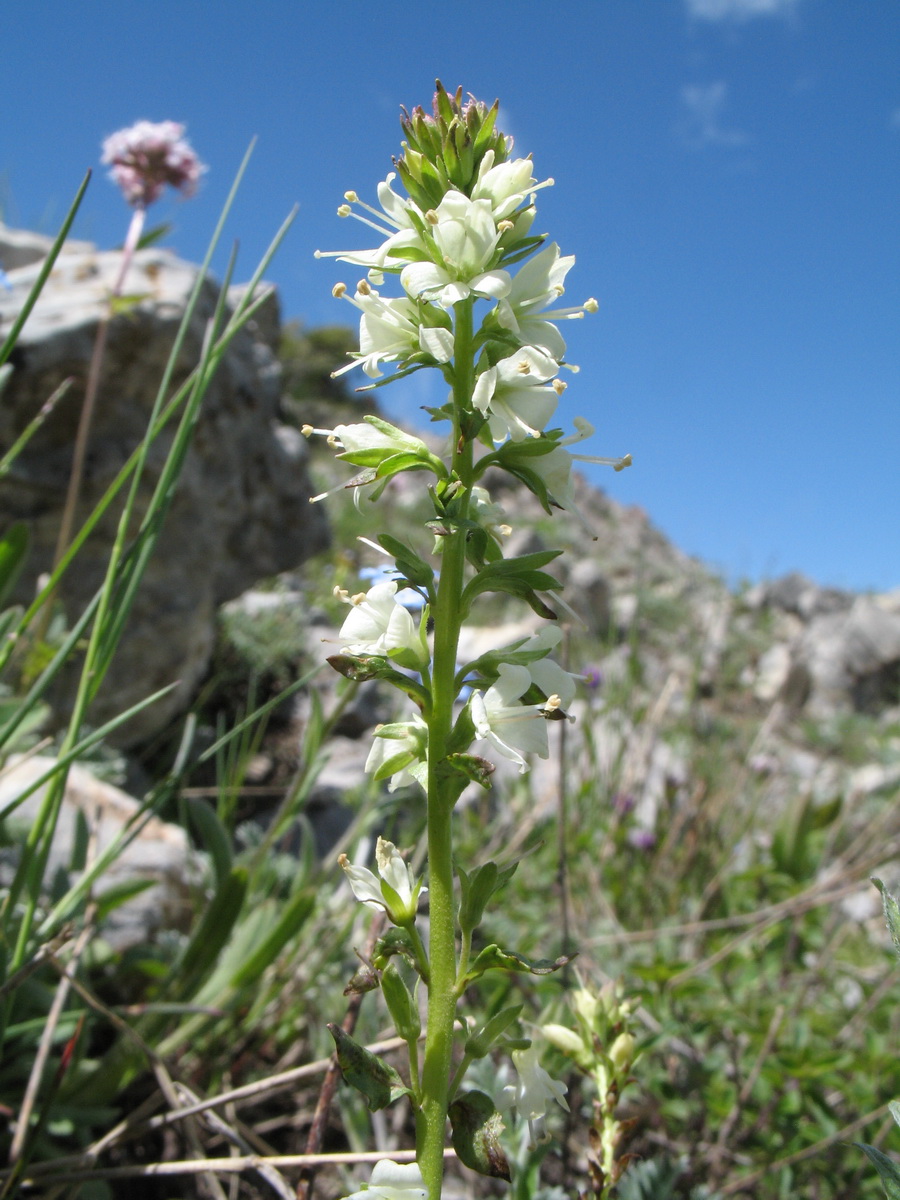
pixel 364 884
pixel 420 277
pixel 437 342
pixel 492 284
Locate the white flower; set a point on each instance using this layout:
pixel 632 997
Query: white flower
pixel 466 238
pixel 378 624
pixel 393 1181
pixel 397 224
pixel 513 394
pixel 401 899
pixel 488 513
pixel 390 331
pixel 537 283
pixel 547 674
pixel 513 729
pixel 506 185
pixel 555 468
pixel 401 748
pixel 534 1090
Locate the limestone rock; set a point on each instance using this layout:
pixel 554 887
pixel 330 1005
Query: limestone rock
pixel 160 852
pixel 855 655
pixel 241 511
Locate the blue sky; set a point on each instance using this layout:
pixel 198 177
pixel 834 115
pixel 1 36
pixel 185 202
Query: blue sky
pixel 727 175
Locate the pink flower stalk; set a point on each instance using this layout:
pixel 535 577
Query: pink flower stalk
pixel 147 156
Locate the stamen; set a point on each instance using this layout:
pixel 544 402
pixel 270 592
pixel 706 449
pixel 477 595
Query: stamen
pixel 339 290
pixel 374 546
pixel 344 210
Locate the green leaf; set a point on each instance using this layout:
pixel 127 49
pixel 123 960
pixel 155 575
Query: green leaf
pixel 14 546
pixel 360 667
pixel 477 890
pixel 401 1004
pixel 891 915
pixel 211 934
pixel 393 941
pixel 120 893
pixel 480 1043
pixel 886 1168
pixel 475 1132
pixel 472 768
pixel 494 958
pixel 124 304
pixel 154 235
pixel 379 1083
pixel 213 835
pixel 294 916
pixel 408 562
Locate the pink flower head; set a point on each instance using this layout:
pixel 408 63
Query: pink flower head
pixel 147 156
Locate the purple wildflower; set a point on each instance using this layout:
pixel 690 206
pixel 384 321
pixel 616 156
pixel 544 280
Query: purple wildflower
pixel 147 156
pixel 623 803
pixel 593 678
pixel 642 839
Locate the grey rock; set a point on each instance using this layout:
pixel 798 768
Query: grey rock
pixel 20 247
pixel 241 511
pixel 589 593
pixel 159 853
pixel 853 656
pixel 794 593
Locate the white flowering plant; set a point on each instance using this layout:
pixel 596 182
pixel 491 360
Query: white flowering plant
pixel 478 300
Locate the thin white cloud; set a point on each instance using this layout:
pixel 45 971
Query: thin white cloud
pixel 894 119
pixel 739 10
pixel 702 114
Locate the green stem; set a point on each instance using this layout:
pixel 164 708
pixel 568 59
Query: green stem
pixel 442 996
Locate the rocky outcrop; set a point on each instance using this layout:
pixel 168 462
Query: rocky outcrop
pixel 833 650
pixel 156 853
pixel 241 510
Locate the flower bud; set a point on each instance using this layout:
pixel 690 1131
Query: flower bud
pixel 621 1053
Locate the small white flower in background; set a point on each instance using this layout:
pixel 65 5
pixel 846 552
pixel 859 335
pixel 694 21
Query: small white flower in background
pixel 466 237
pixel 401 899
pixel 378 624
pixel 534 1090
pixel 393 1181
pixel 512 728
pixel 147 156
pixel 513 394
